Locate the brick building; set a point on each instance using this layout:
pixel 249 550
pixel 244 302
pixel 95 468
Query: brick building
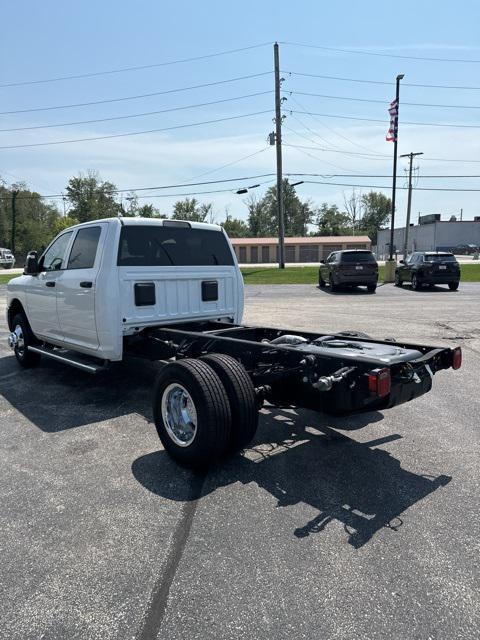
pixel 311 249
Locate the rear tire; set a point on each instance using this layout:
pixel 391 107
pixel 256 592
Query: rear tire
pixel 241 395
pixel 453 286
pixel 192 413
pixel 25 358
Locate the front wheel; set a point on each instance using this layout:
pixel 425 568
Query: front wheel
pixel 192 413
pixel 398 282
pixel 453 286
pixel 321 282
pixel 20 339
pixel 372 288
pixel 415 285
pixel 333 286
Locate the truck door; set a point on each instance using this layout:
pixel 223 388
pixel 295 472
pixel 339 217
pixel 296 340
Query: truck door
pixel 76 289
pixel 41 290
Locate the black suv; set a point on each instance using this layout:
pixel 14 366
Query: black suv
pixel 350 268
pixel 429 268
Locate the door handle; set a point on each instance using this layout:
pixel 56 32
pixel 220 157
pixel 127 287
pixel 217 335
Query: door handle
pixel 86 285
pixel 50 283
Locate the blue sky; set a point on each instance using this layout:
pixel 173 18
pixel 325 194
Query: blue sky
pixel 52 39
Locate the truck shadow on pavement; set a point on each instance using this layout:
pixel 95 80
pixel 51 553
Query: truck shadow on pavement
pixel 299 458
pixel 55 397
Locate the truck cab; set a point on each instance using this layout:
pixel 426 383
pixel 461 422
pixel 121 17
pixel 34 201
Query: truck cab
pixel 101 281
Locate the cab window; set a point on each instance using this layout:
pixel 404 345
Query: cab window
pixel 84 248
pixel 53 258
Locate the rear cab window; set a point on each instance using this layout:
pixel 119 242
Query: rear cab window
pixel 164 246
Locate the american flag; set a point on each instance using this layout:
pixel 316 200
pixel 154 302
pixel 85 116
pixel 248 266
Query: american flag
pixel 392 131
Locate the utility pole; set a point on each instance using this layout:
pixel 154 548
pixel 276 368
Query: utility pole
pixel 409 202
pixel 461 215
pixel 14 219
pixel 389 272
pixel 278 144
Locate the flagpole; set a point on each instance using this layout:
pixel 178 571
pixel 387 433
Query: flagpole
pixel 394 179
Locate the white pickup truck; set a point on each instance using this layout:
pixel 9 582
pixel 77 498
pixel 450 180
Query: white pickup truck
pixel 172 291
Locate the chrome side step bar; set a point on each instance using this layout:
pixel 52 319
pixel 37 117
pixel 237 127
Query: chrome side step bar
pixel 84 366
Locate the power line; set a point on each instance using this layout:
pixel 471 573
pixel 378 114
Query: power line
pixel 382 82
pixel 138 96
pixel 229 164
pixel 135 133
pixel 371 155
pixel 170 186
pixel 423 124
pixel 137 115
pixel 411 104
pixel 376 186
pixel 324 161
pixel 381 55
pixel 340 135
pixel 136 68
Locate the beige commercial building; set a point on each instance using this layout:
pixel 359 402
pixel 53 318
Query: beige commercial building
pixel 311 249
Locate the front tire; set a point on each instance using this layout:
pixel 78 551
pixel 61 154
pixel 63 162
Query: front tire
pixel 192 413
pixel 398 282
pixel 372 288
pixel 24 338
pixel 453 286
pixel 321 282
pixel 415 285
pixel 241 395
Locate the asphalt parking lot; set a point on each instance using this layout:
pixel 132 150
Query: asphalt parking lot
pixel 336 528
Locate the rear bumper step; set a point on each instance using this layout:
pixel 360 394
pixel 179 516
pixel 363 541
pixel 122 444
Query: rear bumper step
pixel 89 367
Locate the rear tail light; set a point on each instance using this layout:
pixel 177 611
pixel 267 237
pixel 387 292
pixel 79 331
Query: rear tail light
pixel 457 358
pixel 379 382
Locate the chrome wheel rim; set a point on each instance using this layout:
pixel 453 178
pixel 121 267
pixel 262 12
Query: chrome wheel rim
pixel 179 414
pixel 20 342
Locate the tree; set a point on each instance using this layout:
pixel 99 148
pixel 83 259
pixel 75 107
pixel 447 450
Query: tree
pixel 377 209
pixel 35 219
pixel 91 197
pixel 263 214
pixel 192 210
pixel 353 208
pixel 260 222
pixel 149 211
pixel 236 228
pixel 331 221
pixel 297 214
pixel 63 223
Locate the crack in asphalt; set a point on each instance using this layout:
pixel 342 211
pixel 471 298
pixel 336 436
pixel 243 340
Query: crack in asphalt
pixel 159 598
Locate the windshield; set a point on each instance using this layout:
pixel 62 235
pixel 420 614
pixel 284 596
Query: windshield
pixel 358 256
pixel 150 246
pixel 440 257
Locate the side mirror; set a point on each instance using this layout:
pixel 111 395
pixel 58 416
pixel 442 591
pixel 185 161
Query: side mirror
pixel 401 261
pixel 31 264
pixel 322 261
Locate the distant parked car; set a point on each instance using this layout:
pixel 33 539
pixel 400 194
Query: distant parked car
pixel 350 268
pixel 465 249
pixel 428 268
pixel 7 259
